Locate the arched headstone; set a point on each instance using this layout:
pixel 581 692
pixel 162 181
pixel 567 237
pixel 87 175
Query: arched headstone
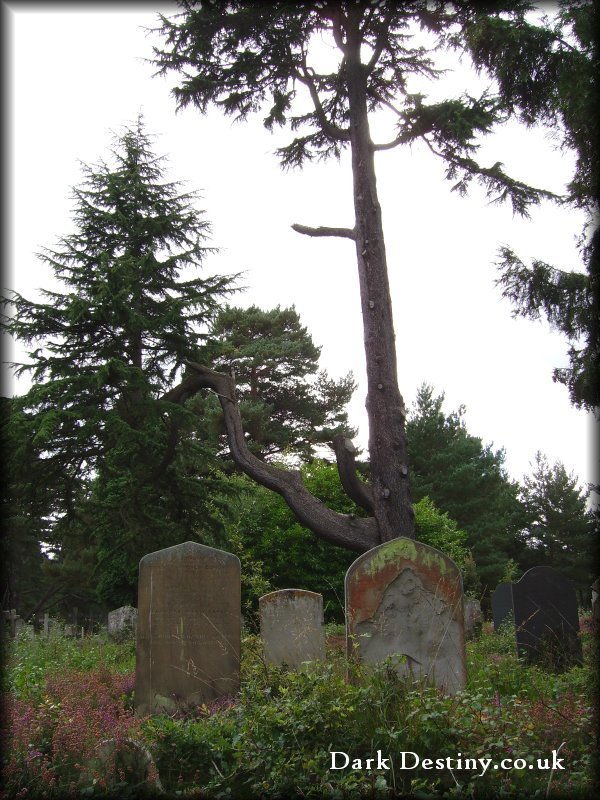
pixel 404 601
pixel 188 628
pixel 291 627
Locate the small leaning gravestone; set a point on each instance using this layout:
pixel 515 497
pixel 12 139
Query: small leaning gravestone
pixel 404 601
pixel 188 628
pixel 122 623
pixel 291 627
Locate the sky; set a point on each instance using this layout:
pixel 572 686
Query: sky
pixel 77 74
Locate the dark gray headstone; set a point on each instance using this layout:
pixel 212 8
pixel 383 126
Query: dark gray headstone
pixel 188 628
pixel 546 617
pixel 502 605
pixel 404 602
pixel 473 617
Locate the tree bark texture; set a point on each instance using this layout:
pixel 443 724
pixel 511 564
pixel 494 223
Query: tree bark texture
pixel 385 408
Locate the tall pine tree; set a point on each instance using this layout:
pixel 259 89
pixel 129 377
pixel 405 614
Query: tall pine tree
pixel 118 464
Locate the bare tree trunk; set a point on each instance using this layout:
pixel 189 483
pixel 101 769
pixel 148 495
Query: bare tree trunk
pixel 385 408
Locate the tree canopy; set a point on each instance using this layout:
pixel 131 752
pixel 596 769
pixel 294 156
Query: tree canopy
pixel 467 480
pixel 560 529
pixel 565 91
pixel 247 57
pixel 287 404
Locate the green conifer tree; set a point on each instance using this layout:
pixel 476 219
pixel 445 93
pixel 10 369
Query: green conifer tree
pixel 117 466
pixel 560 532
pixel 287 404
pixel 465 479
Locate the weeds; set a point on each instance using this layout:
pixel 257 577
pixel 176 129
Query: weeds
pixel 276 737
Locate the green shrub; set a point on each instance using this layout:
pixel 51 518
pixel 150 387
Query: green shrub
pixel 31 660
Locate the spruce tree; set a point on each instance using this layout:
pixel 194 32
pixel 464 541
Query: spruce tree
pixel 116 466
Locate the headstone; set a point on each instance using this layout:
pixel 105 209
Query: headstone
pixel 125 764
pixel 70 631
pixel 122 623
pixel 502 605
pixel 473 617
pixel 404 601
pixel 11 617
pixel 546 617
pixel 291 626
pixel 188 628
pixel 596 601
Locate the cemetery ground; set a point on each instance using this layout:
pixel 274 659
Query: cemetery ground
pixel 62 697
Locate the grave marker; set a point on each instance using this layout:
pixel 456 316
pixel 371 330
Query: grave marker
pixel 546 618
pixel 404 601
pixel 122 623
pixel 291 626
pixel 188 627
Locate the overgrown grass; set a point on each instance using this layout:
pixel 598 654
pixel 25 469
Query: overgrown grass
pixel 275 739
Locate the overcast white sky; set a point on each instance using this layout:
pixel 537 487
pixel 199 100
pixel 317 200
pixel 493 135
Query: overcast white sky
pixel 78 73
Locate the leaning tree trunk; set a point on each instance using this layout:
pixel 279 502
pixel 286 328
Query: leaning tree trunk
pixel 392 507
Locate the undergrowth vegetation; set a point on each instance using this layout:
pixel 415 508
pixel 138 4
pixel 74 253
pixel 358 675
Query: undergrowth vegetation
pixel 62 697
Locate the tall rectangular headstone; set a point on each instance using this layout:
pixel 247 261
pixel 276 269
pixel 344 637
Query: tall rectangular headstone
pixel 291 627
pixel 188 628
pixel 547 618
pixel 404 601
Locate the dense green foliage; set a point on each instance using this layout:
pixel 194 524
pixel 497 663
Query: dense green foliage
pixel 107 470
pixel 467 480
pixel 560 531
pixel 285 554
pixel 287 405
pixel 559 84
pixel 274 739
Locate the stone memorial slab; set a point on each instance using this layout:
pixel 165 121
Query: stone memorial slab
pixel 291 627
pixel 404 601
pixel 188 628
pixel 547 618
pixel 122 623
pixel 473 617
pixel 502 605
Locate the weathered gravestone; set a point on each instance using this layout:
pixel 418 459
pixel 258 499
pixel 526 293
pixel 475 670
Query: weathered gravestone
pixel 404 601
pixel 543 604
pixel 502 605
pixel 188 628
pixel 473 617
pixel 291 627
pixel 122 623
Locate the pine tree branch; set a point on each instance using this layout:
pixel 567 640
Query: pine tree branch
pixel 344 530
pixel 344 233
pixel 360 492
pixel 331 130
